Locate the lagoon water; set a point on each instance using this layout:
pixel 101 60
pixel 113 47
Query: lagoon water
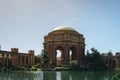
pixel 57 75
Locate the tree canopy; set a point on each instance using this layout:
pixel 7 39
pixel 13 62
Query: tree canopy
pixel 45 58
pixel 94 60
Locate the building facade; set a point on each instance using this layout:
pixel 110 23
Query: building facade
pixel 16 59
pixel 117 58
pixel 69 43
pixel 112 61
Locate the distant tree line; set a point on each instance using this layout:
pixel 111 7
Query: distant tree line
pixel 94 60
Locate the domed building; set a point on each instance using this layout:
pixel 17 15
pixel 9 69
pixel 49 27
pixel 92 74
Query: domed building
pixel 64 44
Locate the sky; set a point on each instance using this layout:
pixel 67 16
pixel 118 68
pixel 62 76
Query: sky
pixel 24 23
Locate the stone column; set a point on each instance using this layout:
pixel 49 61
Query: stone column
pixel 54 58
pixel 3 60
pixel 50 54
pixel 11 58
pixel 118 61
pixel 82 51
pixel 24 60
pixel 15 60
pixel 33 58
pixel 20 61
pixel 29 59
pixel 7 59
pixel 65 62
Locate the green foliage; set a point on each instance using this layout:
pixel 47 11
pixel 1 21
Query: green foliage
pixel 74 65
pixel 94 60
pixel 116 77
pixel 34 67
pixel 44 58
pixel 110 54
pixel 60 69
pixel 37 59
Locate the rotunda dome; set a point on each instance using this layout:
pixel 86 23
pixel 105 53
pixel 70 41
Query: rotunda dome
pixel 63 28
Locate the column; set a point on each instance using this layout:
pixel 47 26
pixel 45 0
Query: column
pixel 12 60
pixel 116 62
pixel 20 61
pixel 65 53
pixel 25 60
pixel 15 60
pixel 7 59
pixel 29 60
pixel 33 59
pixel 3 60
pixel 53 58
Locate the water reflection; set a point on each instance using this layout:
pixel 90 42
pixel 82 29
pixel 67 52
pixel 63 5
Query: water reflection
pixel 72 75
pixel 52 75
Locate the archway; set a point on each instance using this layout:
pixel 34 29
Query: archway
pixel 73 53
pixel 59 53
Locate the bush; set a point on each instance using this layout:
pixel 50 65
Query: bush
pixel 60 69
pixel 74 65
pixel 116 77
pixel 34 67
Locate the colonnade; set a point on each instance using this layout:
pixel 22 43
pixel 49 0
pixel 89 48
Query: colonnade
pixel 15 59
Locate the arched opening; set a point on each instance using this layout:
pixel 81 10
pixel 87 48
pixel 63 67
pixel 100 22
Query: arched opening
pixel 70 54
pixel 73 53
pixel 59 52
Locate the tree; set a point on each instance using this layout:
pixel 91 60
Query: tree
pixel 74 65
pixel 94 60
pixel 116 77
pixel 45 58
pixel 37 59
pixel 110 54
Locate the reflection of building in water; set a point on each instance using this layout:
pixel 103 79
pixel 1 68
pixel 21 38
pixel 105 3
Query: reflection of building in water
pixel 56 75
pixel 16 59
pixel 68 42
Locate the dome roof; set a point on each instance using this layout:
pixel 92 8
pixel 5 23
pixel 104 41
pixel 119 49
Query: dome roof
pixel 63 28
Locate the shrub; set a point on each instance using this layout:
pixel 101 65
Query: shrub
pixel 34 67
pixel 74 65
pixel 60 69
pixel 116 77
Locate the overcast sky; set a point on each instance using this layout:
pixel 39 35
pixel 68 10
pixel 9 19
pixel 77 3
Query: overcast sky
pixel 24 23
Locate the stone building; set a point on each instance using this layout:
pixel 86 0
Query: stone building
pixel 112 61
pixel 117 58
pixel 16 59
pixel 69 43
